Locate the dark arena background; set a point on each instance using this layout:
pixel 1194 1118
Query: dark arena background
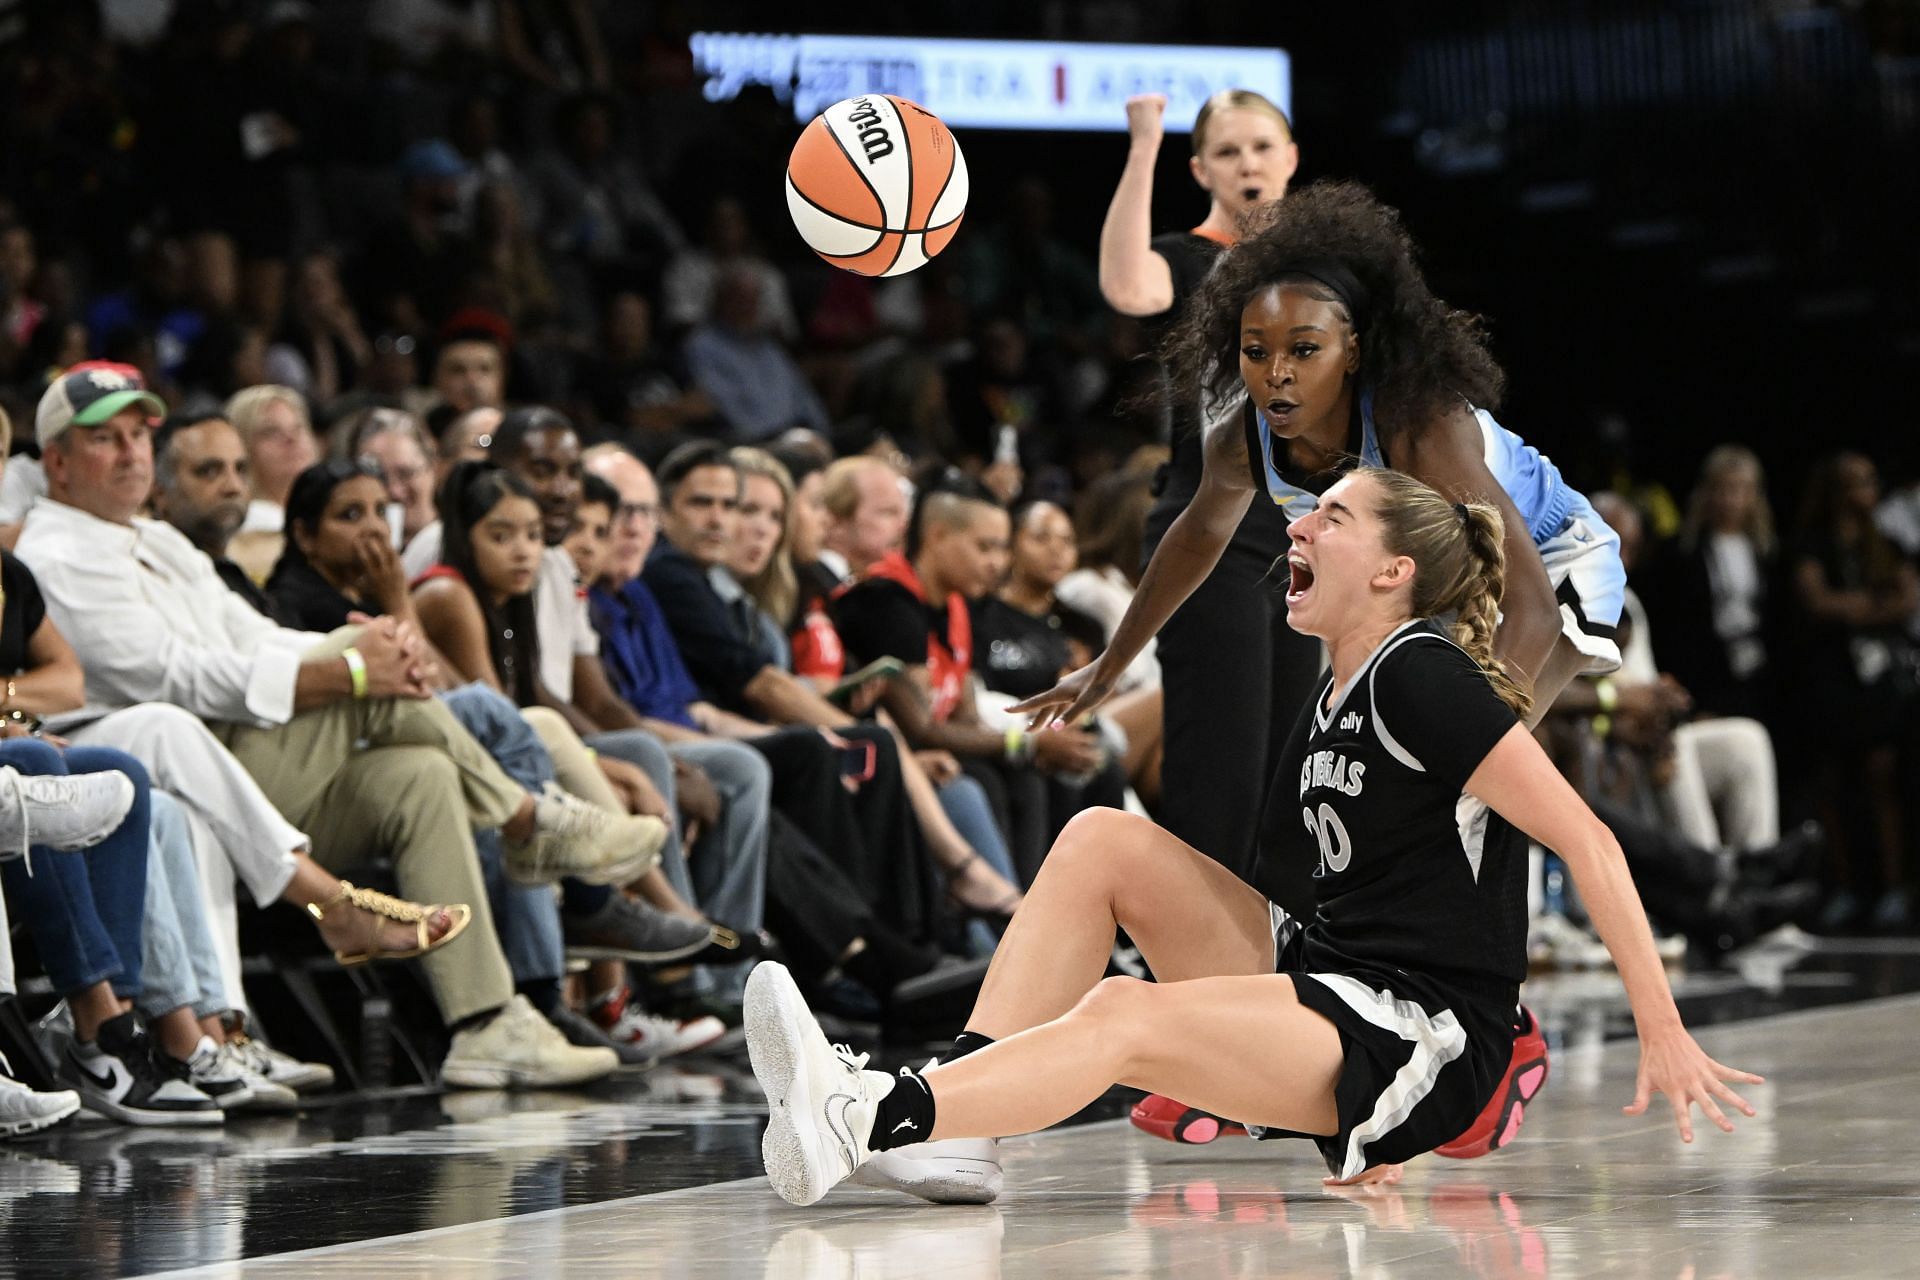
pixel 296 298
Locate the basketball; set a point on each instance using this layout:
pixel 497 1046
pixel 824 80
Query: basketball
pixel 877 185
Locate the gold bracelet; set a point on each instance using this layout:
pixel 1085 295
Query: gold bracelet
pixel 9 699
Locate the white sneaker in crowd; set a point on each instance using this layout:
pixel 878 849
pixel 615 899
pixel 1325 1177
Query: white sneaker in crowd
pixel 574 838
pixel 519 1049
pixel 218 1076
pixel 24 1110
pixel 1555 942
pixel 60 811
pixel 269 1063
pixel 268 1094
pixel 625 1022
pixel 820 1099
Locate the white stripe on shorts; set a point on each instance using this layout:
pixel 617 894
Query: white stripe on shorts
pixel 1586 553
pixel 1436 1041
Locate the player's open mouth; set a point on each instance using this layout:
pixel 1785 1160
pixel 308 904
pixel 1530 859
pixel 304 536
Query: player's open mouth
pixel 1299 578
pixel 1250 194
pixel 1280 412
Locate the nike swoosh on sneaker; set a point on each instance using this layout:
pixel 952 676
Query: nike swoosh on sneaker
pixel 837 1122
pixel 906 1124
pixel 104 1082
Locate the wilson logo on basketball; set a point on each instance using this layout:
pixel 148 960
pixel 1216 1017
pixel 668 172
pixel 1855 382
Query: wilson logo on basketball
pixel 873 135
pixel 876 185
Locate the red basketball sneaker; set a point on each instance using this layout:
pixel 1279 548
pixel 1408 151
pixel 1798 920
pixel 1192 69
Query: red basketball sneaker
pixel 1497 1124
pixel 1177 1122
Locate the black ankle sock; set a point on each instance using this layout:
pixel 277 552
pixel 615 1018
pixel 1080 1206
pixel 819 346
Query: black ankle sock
pixel 905 1115
pixel 119 1034
pixel 968 1042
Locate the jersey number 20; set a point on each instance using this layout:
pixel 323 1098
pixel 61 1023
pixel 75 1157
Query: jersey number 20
pixel 1336 851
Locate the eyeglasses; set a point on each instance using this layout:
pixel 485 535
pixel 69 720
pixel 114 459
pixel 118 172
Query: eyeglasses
pixel 637 511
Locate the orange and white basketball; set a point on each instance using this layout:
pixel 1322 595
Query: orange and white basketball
pixel 877 185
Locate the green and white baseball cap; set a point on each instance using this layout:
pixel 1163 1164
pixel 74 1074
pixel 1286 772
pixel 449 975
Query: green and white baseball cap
pixel 89 394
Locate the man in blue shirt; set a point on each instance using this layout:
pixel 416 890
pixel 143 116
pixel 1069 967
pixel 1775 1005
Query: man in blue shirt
pixel 644 645
pixel 813 809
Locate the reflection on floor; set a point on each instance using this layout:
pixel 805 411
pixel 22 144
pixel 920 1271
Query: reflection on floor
pixel 643 1176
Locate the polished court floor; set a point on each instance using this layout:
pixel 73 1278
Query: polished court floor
pixel 654 1175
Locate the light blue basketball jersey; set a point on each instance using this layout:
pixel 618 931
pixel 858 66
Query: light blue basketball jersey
pixel 1535 485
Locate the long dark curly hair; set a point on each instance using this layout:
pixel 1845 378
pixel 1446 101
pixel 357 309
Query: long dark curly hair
pixel 1418 356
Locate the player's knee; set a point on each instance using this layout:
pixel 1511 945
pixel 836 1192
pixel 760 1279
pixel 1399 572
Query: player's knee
pixel 1107 837
pixel 1117 1010
pixel 1113 1000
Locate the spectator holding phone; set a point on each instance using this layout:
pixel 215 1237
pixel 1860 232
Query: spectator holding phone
pixel 395 441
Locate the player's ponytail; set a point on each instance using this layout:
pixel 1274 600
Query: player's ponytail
pixel 1459 554
pixel 1478 611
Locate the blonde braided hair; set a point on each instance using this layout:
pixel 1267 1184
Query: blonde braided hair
pixel 1461 559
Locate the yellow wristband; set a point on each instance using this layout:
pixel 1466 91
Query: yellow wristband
pixel 1606 695
pixel 1016 744
pixel 357 671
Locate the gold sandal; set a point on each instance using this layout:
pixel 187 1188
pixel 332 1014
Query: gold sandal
pixel 389 907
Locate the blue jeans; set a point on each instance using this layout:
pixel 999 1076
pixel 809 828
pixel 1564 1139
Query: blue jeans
pixel 971 813
pixel 526 915
pixel 729 870
pixel 84 909
pixel 182 967
pixel 648 754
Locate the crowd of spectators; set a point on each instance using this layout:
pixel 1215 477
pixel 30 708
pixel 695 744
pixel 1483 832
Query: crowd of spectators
pixel 429 474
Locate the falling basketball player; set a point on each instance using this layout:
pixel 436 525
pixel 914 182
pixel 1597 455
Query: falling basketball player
pixel 1379 1028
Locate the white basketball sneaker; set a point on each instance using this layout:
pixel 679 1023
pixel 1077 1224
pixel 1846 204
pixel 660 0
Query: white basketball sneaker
pixel 820 1099
pixel 950 1171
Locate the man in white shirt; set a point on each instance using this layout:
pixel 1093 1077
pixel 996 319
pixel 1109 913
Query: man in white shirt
pixel 152 622
pixel 1723 792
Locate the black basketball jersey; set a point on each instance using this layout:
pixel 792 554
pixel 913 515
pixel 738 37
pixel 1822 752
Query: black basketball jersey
pixel 1411 875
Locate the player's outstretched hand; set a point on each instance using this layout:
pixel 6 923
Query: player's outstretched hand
pixel 1380 1175
pixel 1066 702
pixel 1673 1064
